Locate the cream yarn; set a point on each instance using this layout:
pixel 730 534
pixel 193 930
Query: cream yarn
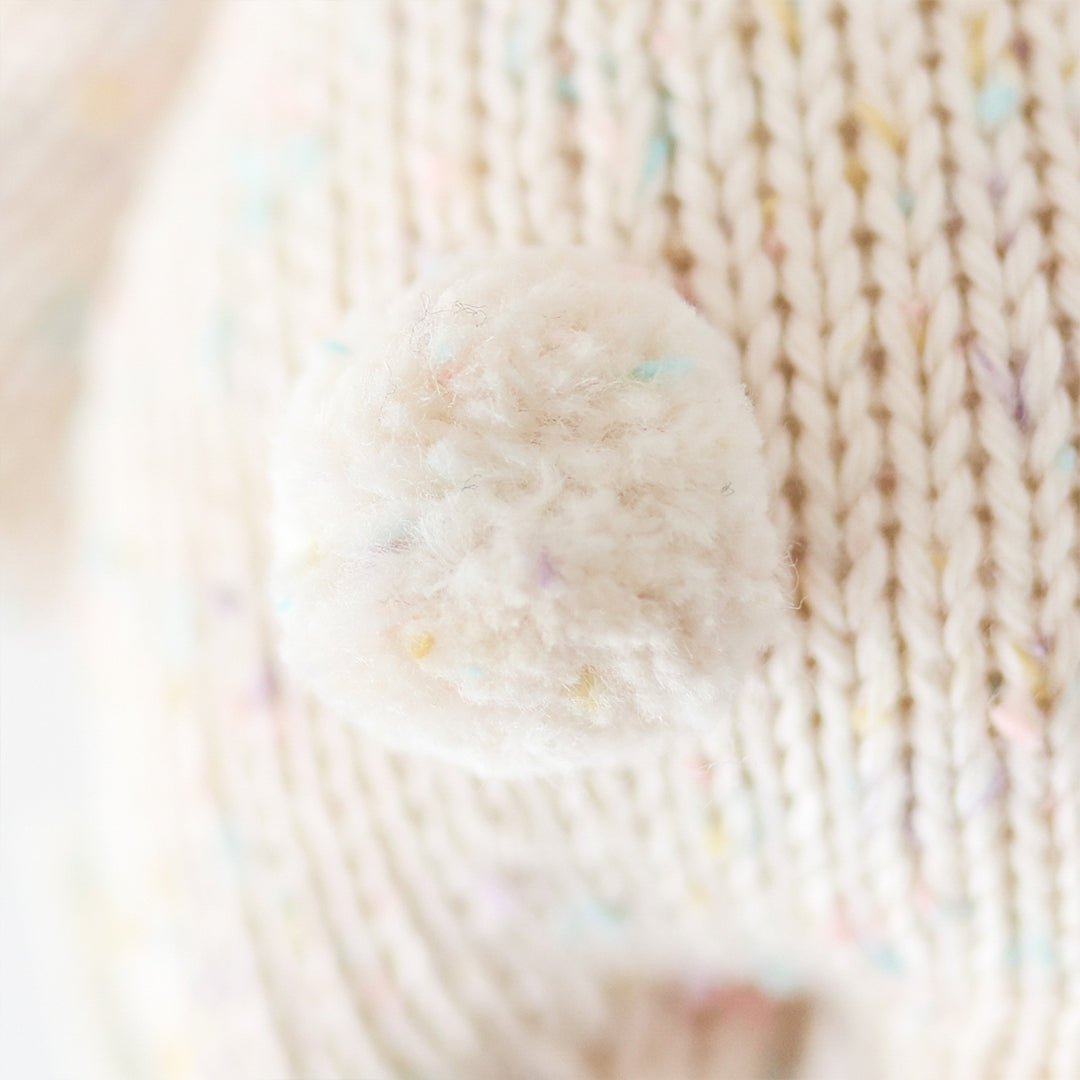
pixel 81 87
pixel 878 206
pixel 497 528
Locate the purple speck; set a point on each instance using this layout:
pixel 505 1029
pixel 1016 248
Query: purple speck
pixel 1020 412
pixel 1005 387
pixel 547 574
pixel 266 688
pixel 997 787
pixel 225 598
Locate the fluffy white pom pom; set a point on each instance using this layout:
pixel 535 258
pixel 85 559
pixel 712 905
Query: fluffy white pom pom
pixel 520 519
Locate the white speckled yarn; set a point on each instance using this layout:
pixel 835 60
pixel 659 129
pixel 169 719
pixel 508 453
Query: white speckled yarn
pixel 878 205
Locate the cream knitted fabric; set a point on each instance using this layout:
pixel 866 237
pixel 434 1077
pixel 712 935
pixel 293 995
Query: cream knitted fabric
pixel 878 205
pixel 81 85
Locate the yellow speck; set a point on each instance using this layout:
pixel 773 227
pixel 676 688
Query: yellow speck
pixel 768 210
pixel 787 17
pixel 854 344
pixel 421 645
pixel 699 895
pixel 583 691
pixel 855 173
pixel 313 555
pixel 864 719
pixel 1036 675
pixel 717 840
pixel 938 556
pixel 976 54
pixel 879 125
pixel 920 333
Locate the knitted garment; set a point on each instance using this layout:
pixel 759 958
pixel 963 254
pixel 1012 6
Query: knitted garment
pixel 82 83
pixel 878 206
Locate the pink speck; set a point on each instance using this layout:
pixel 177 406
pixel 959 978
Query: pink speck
pixel 1016 717
pixel 266 688
pixel 701 770
pixel 495 903
pixel 439 173
pixel 447 372
pixel 841 927
pixel 773 246
pixel 925 900
pixel 738 1003
pixel 664 45
pixel 916 309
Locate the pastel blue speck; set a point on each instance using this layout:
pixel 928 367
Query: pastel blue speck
pixel 515 50
pixel 778 980
pixel 337 347
pixel 906 201
pixel 885 958
pixel 441 349
pixel 1030 952
pixel 1066 459
pixel 995 102
pixel 304 154
pixel 565 90
pixel 648 370
pixel 471 671
pixel 590 915
pixel 656 157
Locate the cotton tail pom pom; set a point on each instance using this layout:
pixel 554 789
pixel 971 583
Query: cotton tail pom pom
pixel 520 518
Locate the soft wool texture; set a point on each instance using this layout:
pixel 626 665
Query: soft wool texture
pixel 877 207
pixel 498 530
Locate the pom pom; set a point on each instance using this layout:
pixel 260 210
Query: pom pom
pixel 520 518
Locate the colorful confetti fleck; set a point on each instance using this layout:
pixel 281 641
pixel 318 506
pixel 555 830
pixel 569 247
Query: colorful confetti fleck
pixel 885 958
pixel 514 57
pixel 1016 717
pixel 668 365
pixel 995 104
pixel 717 840
pixel 877 122
pixel 787 15
pixel 855 173
pixel 546 571
pixel 1035 672
pixel 657 155
pixel 591 915
pixel 584 690
pixel 421 645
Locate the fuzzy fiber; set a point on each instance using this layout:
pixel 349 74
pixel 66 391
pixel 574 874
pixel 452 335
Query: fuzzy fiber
pixel 521 520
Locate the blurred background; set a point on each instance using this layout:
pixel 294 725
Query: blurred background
pixel 83 86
